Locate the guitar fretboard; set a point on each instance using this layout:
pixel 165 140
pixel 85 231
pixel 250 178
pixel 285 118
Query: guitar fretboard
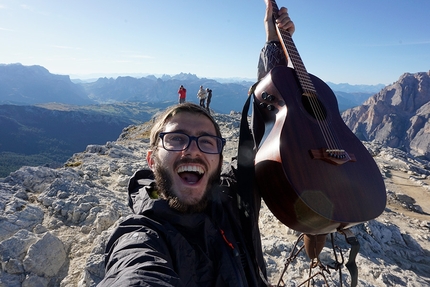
pixel 309 91
pixel 292 53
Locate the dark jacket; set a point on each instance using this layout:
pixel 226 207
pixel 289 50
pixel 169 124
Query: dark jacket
pixel 271 55
pixel 158 246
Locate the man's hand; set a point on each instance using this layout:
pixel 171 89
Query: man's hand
pixel 283 21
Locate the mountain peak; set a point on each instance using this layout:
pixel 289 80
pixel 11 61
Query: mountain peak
pixel 397 116
pixel 21 84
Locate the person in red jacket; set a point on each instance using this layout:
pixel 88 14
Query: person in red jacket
pixel 182 92
pixel 192 224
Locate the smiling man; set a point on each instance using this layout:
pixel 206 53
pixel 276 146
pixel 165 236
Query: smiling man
pixel 187 228
pixel 186 157
pixel 192 225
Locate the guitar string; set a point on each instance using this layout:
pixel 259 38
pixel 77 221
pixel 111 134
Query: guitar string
pixel 317 112
pixel 306 84
pixel 310 92
pixel 311 97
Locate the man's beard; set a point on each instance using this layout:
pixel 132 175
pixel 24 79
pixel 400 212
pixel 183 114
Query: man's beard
pixel 164 189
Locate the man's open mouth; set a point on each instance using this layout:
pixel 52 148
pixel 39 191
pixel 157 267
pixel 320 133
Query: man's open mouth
pixel 191 173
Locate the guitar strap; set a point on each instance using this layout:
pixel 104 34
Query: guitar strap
pixel 245 157
pixel 246 154
pixel 249 201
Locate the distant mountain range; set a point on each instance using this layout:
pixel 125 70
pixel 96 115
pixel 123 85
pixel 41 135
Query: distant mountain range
pixel 29 85
pixel 347 88
pixel 45 118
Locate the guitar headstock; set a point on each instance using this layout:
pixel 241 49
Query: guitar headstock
pixel 275 9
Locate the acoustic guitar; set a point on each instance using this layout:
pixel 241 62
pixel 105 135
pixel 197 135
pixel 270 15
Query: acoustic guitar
pixel 314 174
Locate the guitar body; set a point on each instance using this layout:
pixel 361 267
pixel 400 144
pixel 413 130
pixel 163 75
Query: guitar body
pixel 306 189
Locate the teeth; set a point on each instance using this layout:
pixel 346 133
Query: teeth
pixel 191 168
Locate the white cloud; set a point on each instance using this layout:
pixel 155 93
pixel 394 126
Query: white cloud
pixel 25 6
pixel 65 47
pixel 140 56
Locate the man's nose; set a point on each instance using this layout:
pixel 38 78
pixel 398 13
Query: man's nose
pixel 193 147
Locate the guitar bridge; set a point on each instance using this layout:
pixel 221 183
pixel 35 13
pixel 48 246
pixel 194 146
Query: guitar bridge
pixel 333 156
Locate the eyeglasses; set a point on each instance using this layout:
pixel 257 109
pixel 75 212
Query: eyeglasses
pixel 177 141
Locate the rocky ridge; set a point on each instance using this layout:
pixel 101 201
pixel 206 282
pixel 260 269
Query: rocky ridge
pixel 397 116
pixel 54 222
pixel 35 84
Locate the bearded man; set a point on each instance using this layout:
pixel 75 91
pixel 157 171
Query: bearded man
pixel 192 225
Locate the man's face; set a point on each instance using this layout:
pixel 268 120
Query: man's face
pixel 187 174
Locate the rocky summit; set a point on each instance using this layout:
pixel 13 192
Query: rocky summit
pixel 397 116
pixel 54 222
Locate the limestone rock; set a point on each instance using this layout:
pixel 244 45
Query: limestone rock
pixel 397 116
pixel 54 223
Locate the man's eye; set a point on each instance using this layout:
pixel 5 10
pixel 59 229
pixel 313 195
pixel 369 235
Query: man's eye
pixel 207 141
pixel 177 139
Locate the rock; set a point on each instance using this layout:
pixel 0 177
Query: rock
pixel 16 246
pixel 398 116
pixel 45 257
pixel 54 223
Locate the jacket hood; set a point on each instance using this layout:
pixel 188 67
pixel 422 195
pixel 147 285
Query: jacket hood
pixel 142 185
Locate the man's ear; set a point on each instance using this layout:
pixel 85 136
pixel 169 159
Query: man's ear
pixel 150 159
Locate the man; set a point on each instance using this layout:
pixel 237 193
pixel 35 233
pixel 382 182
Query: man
pixel 188 227
pixel 208 99
pixel 201 95
pixel 182 93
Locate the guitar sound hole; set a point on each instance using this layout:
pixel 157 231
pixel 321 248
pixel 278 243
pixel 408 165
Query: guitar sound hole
pixel 314 107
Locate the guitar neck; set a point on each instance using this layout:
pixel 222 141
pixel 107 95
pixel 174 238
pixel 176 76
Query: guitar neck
pixel 291 53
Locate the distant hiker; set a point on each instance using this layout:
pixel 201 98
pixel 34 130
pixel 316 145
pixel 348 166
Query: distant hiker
pixel 182 92
pixel 208 99
pixel 201 94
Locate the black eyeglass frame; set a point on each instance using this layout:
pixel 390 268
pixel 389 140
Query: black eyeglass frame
pixel 196 139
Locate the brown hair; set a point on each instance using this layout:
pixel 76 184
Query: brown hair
pixel 162 120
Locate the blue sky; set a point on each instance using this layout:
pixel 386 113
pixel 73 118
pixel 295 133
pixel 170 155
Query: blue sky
pixel 356 42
